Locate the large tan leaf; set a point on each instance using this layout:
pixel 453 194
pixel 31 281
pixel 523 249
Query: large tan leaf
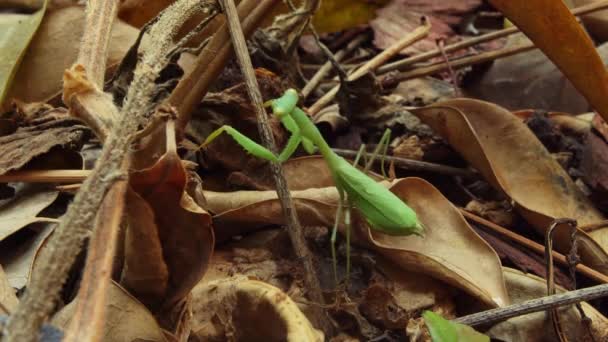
pixel 446 252
pixel 55 48
pixel 514 161
pixel 127 318
pixel 536 327
pixel 16 32
pixel 23 208
pixel 569 47
pixel 8 298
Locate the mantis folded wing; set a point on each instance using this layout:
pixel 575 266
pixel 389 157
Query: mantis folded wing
pixel 384 211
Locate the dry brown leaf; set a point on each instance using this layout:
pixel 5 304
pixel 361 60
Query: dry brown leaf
pixel 41 140
pixel 512 159
pixel 8 298
pixel 127 319
pixel 22 209
pixel 570 48
pixel 245 309
pixel 167 227
pixel 55 48
pixel 447 251
pixel 18 261
pixel 536 327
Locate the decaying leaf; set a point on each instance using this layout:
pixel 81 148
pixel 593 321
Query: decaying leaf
pixel 446 252
pixel 16 32
pixel 512 159
pixel 246 309
pixel 36 140
pixel 166 227
pixel 22 209
pixel 126 320
pixel 536 327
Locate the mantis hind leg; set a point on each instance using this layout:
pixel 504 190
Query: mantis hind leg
pixel 382 144
pixel 347 223
pixel 248 145
pixel 334 234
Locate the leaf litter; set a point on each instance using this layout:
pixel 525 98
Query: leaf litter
pixel 201 253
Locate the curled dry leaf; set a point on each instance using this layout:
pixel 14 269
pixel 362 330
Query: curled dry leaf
pixel 126 320
pixel 54 49
pixel 536 327
pixel 22 209
pixel 36 140
pixel 448 250
pixel 247 310
pixel 514 161
pixel 169 239
pixel 18 261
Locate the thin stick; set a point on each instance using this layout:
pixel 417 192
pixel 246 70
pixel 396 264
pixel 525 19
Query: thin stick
pixel 417 165
pixel 374 63
pixel 45 176
pixel 534 305
pixel 324 70
pixel 536 247
pixel 407 62
pixel 294 229
pixel 461 62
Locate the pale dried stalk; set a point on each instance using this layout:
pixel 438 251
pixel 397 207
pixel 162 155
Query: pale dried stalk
pixel 373 64
pixel 534 305
pixel 83 83
pixel 294 229
pixel 64 245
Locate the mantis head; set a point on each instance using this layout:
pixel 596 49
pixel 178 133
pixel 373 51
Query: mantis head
pixel 285 104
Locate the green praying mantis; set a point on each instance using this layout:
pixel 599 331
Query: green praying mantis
pixel 383 210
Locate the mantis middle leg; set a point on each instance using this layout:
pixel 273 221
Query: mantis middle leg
pixel 334 233
pixel 382 144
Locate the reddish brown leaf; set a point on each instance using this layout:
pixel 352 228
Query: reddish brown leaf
pixel 569 47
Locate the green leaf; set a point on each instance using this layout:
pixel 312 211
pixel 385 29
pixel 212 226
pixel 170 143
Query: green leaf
pixel 16 33
pixel 443 330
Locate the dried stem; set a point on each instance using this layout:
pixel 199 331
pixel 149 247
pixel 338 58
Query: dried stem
pixel 83 82
pixel 294 229
pixel 96 37
pixel 534 305
pixel 64 245
pixel 374 64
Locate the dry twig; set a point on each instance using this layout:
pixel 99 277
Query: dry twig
pixel 294 230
